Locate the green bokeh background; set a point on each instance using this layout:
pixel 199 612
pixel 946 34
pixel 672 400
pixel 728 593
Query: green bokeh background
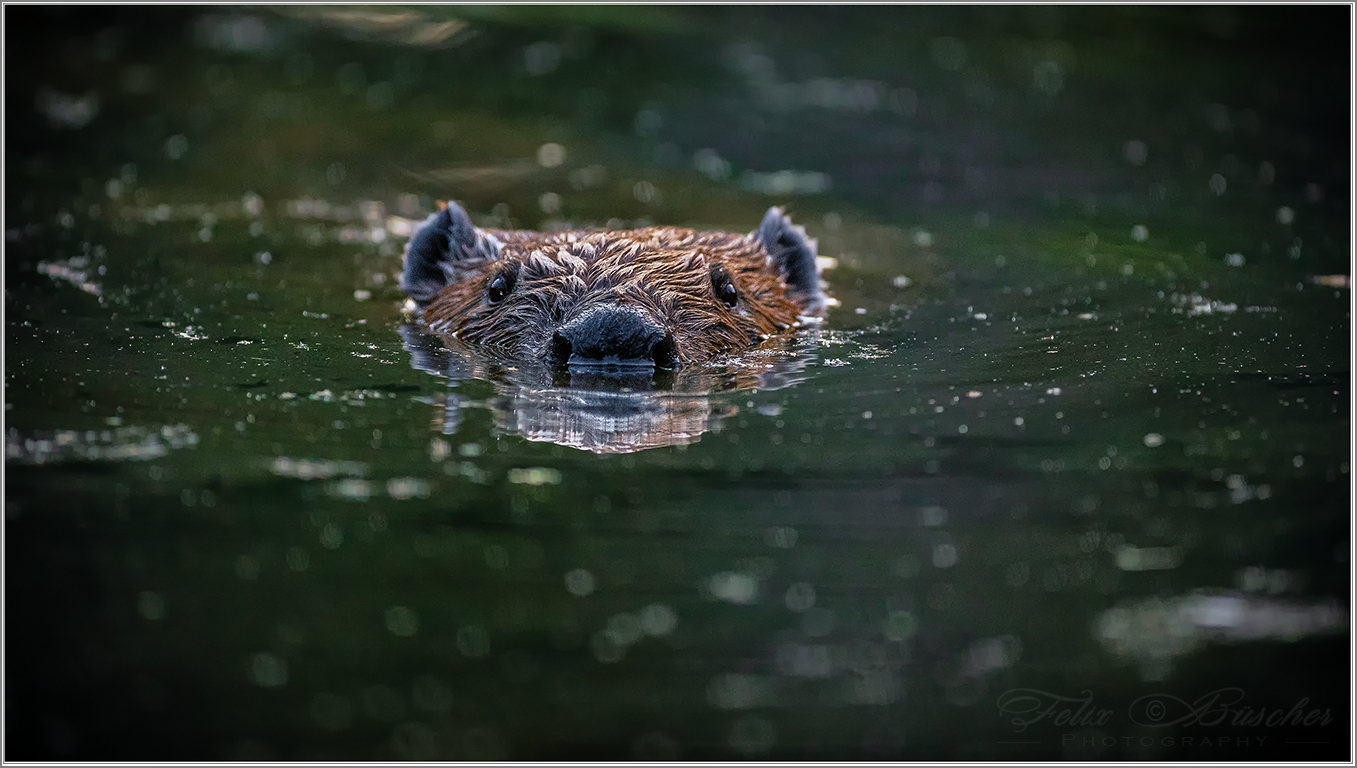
pixel 240 524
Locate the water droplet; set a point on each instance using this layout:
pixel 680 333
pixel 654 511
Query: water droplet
pixel 781 537
pixel 931 517
pixel 331 537
pixel 658 620
pixel 645 192
pixel 298 560
pixel 151 606
pixel 899 625
pixel 944 556
pixel 737 588
pixel 550 155
pixel 176 146
pixel 268 670
pixel 624 629
pixel 1136 152
pixel 1049 77
pixel 579 582
pixel 401 621
pixel 541 58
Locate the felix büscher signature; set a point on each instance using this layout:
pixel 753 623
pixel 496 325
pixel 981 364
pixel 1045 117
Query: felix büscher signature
pixel 1026 707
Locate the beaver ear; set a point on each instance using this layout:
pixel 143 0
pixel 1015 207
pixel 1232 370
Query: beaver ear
pixel 445 243
pixel 794 255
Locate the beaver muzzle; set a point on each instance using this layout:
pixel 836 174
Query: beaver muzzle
pixel 613 336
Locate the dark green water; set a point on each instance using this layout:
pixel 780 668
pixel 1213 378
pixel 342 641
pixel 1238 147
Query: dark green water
pixel 1074 451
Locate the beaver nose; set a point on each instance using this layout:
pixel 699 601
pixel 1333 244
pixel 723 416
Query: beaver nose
pixel 613 336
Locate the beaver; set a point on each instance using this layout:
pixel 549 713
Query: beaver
pixel 657 297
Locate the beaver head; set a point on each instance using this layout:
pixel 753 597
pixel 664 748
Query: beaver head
pixel 654 297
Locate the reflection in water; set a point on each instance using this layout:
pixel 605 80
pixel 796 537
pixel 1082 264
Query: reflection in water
pixel 121 443
pixel 603 421
pixel 401 27
pixel 1073 389
pixel 1154 632
pixel 603 412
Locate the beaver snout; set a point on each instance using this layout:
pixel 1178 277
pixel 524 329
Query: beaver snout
pixel 610 336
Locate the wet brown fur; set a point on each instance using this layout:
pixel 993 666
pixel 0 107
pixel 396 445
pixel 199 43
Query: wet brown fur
pixel 664 271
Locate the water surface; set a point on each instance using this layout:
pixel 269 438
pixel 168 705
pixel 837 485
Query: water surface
pixel 1078 433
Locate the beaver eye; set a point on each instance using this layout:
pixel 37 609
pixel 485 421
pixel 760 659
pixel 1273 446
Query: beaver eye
pixel 728 294
pixel 501 286
pixel 724 286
